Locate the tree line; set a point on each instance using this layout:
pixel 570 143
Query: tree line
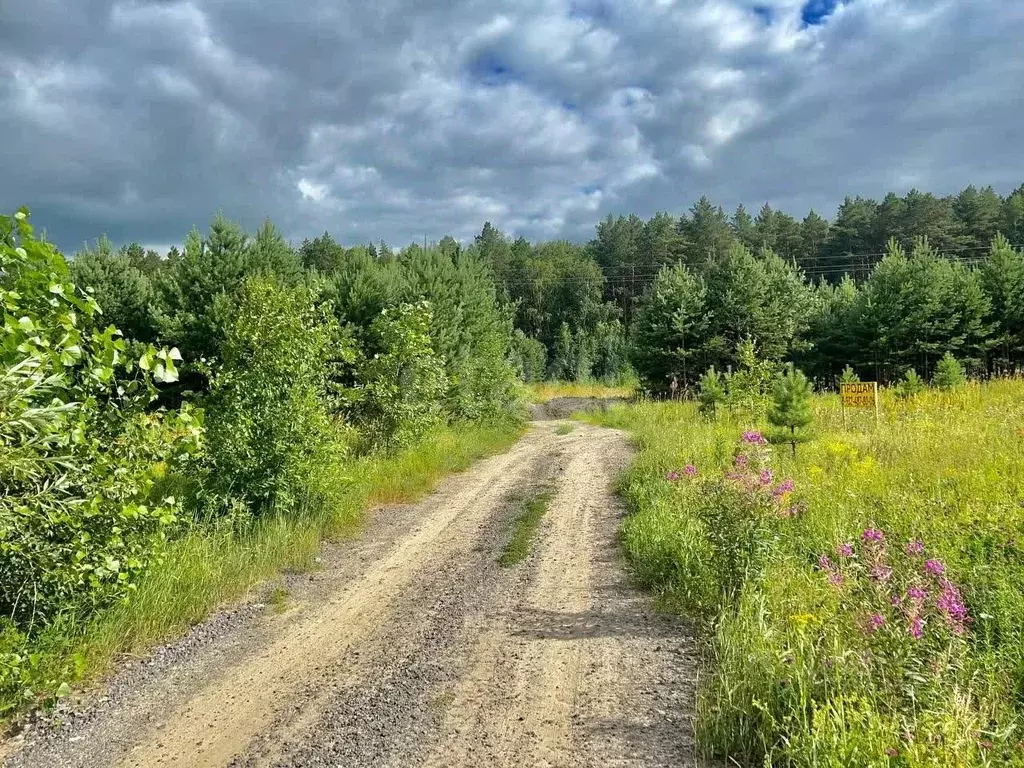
pixel 884 287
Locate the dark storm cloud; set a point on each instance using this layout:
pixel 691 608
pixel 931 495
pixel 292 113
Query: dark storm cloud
pixel 394 119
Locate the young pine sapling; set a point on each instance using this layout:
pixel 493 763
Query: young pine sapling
pixel 949 373
pixel 791 407
pixel 711 393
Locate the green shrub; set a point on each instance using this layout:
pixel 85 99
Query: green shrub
pixel 398 392
pixel 529 357
pixel 269 434
pixel 910 385
pixel 749 387
pixel 80 451
pixel 710 393
pixel 849 376
pixel 791 407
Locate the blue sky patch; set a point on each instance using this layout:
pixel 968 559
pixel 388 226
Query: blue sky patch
pixel 765 12
pixel 816 11
pixel 489 68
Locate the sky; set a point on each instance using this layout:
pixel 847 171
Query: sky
pixel 405 119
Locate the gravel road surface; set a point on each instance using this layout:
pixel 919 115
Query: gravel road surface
pixel 411 646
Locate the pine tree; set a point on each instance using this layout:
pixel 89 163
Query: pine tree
pixel 910 386
pixel 849 376
pixel 949 373
pixel 791 408
pixel 711 393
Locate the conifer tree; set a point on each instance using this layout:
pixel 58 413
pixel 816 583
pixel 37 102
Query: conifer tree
pixel 711 393
pixel 791 407
pixel 849 376
pixel 910 386
pixel 949 373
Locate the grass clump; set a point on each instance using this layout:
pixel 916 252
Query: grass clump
pixel 861 599
pixel 524 529
pixel 564 429
pixel 277 600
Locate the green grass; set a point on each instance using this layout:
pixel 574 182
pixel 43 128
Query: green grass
pixel 205 569
pixel 795 676
pixel 564 429
pixel 524 529
pixel 277 599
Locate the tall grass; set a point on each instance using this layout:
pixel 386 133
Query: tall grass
pixel 799 676
pixel 206 568
pixel 542 391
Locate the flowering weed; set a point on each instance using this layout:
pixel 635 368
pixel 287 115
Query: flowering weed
pixel 865 596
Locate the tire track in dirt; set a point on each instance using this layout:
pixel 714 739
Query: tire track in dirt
pixel 580 672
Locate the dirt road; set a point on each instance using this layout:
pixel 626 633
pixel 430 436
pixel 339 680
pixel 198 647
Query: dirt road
pixel 413 647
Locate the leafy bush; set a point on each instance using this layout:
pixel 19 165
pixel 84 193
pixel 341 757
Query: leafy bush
pixel 749 387
pixel 269 434
pixel 80 453
pixel 398 393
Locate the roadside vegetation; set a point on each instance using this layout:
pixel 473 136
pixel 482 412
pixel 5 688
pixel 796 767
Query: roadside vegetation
pixel 861 597
pixel 541 392
pixel 176 430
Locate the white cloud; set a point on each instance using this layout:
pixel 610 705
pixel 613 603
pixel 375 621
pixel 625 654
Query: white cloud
pixel 310 190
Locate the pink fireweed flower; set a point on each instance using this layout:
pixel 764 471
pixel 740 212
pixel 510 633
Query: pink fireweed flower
pixel 934 567
pixel 916 628
pixel 741 461
pixel 690 470
pixel 672 476
pixel 917 593
pixel 836 579
pixel 875 622
pixel 915 547
pixel 872 534
pixel 881 573
pixel 845 550
pixel 766 477
pixel 754 438
pixel 825 563
pixel 952 606
pixel 896 601
pixel 786 486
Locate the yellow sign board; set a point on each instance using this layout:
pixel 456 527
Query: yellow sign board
pixel 859 394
